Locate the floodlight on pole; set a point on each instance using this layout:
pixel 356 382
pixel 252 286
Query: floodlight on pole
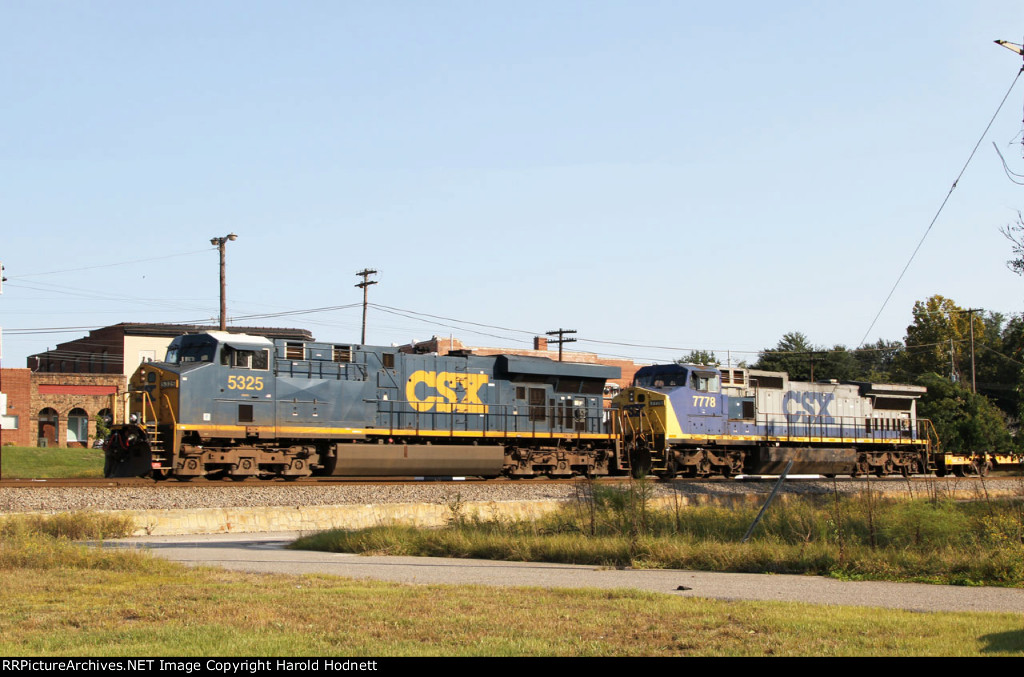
pixel 219 242
pixel 1012 46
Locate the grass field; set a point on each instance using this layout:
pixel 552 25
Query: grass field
pixel 927 540
pixel 65 599
pixel 50 462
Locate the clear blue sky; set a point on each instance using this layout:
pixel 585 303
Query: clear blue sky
pixel 683 174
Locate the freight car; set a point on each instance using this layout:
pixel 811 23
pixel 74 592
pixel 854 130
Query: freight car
pixel 699 421
pixel 239 406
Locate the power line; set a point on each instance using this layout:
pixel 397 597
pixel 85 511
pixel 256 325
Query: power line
pixel 941 207
pixel 112 265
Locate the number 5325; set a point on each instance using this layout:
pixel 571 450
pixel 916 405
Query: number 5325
pixel 245 383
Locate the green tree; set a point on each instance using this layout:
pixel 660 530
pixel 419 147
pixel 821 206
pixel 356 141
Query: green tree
pixel 939 340
pixel 964 421
pixel 875 360
pixel 792 354
pixel 803 361
pixel 1000 364
pixel 699 357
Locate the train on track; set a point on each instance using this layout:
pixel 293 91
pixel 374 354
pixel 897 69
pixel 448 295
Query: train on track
pixel 240 406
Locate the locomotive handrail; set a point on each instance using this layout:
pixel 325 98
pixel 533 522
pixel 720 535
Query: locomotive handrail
pixel 930 434
pixel 402 417
pixel 170 410
pixel 821 428
pixel 152 407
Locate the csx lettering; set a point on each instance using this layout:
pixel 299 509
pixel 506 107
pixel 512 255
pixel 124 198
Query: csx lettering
pixel 703 401
pixel 245 383
pixel 445 386
pixel 815 404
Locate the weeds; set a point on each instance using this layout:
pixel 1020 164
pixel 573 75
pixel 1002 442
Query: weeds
pixel 45 542
pixel 73 526
pixel 929 539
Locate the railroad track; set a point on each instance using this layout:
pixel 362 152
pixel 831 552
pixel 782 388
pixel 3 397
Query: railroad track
pixel 145 482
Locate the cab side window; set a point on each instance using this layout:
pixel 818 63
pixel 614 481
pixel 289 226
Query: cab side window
pixel 245 359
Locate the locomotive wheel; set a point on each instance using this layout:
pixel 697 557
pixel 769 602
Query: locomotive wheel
pixel 639 462
pixel 670 468
pixel 959 471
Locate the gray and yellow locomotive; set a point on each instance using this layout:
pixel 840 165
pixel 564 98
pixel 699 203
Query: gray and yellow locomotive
pixel 696 420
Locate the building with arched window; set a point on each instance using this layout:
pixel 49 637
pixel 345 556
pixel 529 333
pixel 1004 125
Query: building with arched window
pixel 56 401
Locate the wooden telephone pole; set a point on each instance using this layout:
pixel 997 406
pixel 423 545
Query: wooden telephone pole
pixel 365 273
pixel 561 339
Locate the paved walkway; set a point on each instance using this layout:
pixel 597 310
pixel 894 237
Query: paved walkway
pixel 265 553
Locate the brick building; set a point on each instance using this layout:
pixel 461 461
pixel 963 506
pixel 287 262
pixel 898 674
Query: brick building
pixel 50 410
pixel 443 346
pixel 56 400
pixel 121 348
pixel 15 407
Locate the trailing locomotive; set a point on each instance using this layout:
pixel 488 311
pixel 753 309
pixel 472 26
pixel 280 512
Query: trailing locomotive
pixel 242 406
pixel 695 420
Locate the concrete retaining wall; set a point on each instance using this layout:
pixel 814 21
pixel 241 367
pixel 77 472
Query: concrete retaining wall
pixel 321 517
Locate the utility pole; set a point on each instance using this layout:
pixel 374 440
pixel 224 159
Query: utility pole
pixel 952 362
pixel 561 339
pixel 365 273
pixel 219 242
pixel 970 318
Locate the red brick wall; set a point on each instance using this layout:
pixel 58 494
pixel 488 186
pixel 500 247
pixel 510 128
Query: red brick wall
pixel 17 385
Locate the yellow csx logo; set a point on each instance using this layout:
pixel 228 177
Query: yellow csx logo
pixel 445 385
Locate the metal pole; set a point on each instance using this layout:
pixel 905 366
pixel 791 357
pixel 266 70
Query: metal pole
pixel 782 478
pixel 970 318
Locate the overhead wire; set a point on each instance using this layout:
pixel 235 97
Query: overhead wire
pixel 111 265
pixel 941 207
pixel 1010 174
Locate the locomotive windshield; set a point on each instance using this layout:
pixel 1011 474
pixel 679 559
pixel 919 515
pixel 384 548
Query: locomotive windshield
pixel 191 349
pixel 661 376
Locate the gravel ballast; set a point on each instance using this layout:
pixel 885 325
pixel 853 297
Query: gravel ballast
pixel 254 494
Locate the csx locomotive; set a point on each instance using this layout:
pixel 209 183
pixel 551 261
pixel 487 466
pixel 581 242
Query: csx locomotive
pixel 698 421
pixel 239 406
pixel 242 406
